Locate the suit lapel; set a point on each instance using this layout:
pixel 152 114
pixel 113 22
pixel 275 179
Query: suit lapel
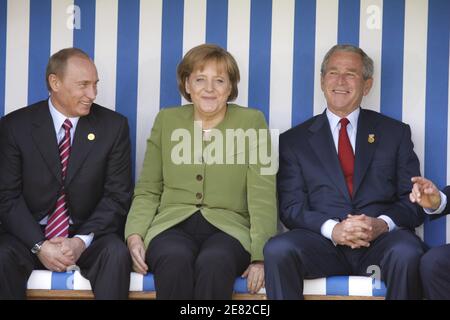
pixel 321 142
pixel 366 143
pixel 44 137
pixel 81 145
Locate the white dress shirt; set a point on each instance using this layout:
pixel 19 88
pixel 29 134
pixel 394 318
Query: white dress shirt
pixel 58 120
pixel 352 128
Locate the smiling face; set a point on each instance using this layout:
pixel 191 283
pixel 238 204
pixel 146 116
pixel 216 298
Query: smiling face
pixel 74 91
pixel 343 83
pixel 209 89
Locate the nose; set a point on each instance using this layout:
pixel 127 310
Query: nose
pixel 91 92
pixel 341 79
pixel 209 86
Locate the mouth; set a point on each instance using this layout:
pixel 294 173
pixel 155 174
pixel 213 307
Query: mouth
pixel 87 104
pixel 340 91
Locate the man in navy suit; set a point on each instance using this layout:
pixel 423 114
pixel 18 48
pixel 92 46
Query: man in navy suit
pixel 343 187
pixel 435 264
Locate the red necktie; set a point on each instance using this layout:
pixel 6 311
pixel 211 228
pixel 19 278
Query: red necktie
pixel 58 223
pixel 345 154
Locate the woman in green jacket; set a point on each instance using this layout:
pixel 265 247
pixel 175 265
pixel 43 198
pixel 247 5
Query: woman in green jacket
pixel 204 207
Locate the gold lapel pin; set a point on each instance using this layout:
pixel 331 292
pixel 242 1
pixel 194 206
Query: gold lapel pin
pixel 371 138
pixel 91 137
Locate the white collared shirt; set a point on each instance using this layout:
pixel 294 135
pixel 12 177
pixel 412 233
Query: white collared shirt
pixel 352 128
pixel 58 120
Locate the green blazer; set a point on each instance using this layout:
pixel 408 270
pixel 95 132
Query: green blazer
pixel 235 198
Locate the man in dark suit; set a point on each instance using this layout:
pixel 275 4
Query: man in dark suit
pixel 65 184
pixel 435 264
pixel 343 188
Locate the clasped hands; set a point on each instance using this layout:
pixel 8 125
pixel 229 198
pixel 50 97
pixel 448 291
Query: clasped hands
pixel 358 231
pixel 59 253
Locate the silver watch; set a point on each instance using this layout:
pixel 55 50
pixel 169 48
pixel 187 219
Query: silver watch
pixel 37 247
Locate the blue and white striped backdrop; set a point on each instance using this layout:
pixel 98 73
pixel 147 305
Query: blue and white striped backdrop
pixel 279 44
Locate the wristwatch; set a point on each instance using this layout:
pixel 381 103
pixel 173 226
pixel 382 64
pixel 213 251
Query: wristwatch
pixel 37 247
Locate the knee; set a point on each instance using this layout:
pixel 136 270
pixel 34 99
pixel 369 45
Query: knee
pixel 116 251
pixel 6 253
pixel 430 263
pixel 171 255
pixel 217 261
pixel 406 253
pixel 10 262
pixel 277 250
pixel 6 256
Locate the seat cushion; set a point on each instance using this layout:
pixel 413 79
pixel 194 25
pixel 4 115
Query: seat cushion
pixel 336 285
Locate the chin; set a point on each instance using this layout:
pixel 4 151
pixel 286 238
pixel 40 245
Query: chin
pixel 341 105
pixel 84 112
pixel 209 110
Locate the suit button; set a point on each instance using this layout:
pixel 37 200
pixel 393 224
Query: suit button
pixel 199 195
pixel 199 177
pixel 198 205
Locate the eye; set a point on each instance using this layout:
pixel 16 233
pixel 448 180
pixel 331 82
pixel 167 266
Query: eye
pixel 199 80
pixel 84 84
pixel 220 80
pixel 350 75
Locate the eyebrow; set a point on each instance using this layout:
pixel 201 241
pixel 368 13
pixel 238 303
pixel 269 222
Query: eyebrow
pixel 87 81
pixel 347 70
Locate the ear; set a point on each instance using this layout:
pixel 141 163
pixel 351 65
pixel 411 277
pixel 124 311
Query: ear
pixel 322 83
pixel 54 82
pixel 367 86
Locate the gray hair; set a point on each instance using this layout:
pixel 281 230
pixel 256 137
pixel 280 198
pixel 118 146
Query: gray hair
pixel 366 60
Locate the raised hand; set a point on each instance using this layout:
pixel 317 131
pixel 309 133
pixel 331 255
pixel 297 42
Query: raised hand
pixel 425 193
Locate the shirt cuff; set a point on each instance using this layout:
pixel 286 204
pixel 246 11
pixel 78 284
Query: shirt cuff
pixel 391 225
pixel 327 229
pixel 441 207
pixel 87 239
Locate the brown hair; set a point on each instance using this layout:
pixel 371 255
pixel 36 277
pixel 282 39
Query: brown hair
pixel 58 62
pixel 197 57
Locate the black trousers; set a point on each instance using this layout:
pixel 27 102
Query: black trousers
pixel 195 260
pixel 435 272
pixel 301 254
pixel 106 263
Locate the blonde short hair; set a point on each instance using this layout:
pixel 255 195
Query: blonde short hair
pixel 198 57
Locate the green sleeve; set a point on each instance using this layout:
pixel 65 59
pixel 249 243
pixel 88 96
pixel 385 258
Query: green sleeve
pixel 261 194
